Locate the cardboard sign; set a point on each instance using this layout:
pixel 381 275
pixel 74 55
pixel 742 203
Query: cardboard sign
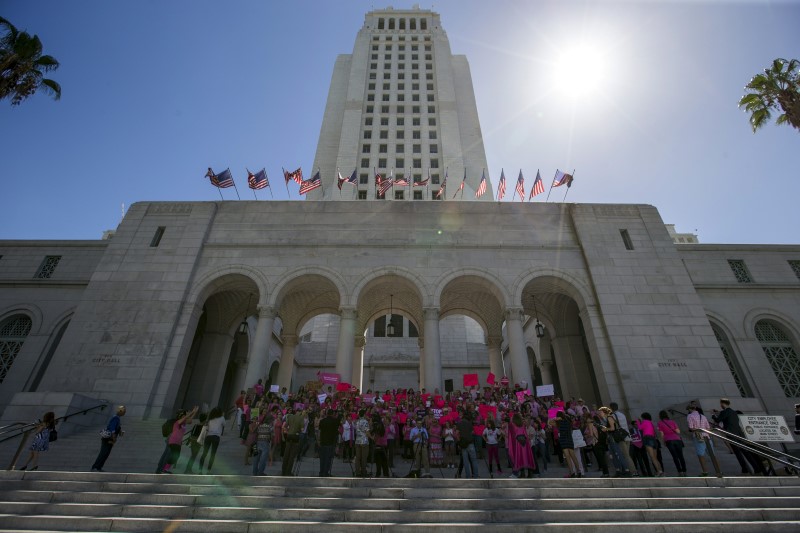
pixel 274 388
pixel 299 406
pixel 490 379
pixel 342 387
pixel 368 398
pixel 520 396
pixel 470 380
pixel 764 428
pixel 545 390
pixel 551 413
pixel 437 413
pixel 321 398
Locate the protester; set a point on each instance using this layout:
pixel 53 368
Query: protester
pixel 41 440
pixel 108 438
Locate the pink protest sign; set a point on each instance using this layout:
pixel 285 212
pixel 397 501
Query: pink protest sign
pixel 470 380
pixel 490 379
pixel 329 378
pixel 484 411
pixel 504 381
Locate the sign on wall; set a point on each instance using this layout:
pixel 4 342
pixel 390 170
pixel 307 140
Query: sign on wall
pixel 764 428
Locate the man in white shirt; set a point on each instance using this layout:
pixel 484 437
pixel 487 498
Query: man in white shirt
pixel 702 441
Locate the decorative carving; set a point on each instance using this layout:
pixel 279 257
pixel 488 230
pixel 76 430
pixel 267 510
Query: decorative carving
pixel 615 211
pixel 169 209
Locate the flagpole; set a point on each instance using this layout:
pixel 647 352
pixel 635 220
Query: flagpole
pixel 463 182
pixel 235 187
pixel 551 187
pixel 320 182
pixel 286 182
pixel 569 185
pixel 502 173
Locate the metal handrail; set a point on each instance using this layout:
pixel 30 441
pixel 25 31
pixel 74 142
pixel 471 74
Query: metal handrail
pixel 748 447
pixel 747 442
pixel 25 429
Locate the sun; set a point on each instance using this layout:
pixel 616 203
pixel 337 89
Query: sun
pixel 580 71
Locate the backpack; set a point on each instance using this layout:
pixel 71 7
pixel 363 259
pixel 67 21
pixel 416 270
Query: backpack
pixel 166 428
pixel 53 435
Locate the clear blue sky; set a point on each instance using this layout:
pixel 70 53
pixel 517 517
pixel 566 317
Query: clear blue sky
pixel 154 92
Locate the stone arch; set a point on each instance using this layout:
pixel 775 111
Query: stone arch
pixel 731 353
pixel 492 282
pixel 31 311
pixel 218 278
pixel 290 277
pixel 305 293
pixel 558 281
pixel 473 293
pixel 762 313
pixel 407 290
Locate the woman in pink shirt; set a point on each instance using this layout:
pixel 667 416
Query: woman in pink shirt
pixel 648 431
pixel 672 439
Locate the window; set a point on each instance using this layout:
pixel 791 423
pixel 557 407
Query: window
pixel 368 134
pixel 375 47
pixel 434 163
pixel 415 57
pixel 383 148
pixel 380 24
pixel 387 75
pixel 373 66
pixel 365 149
pixel 435 179
pixel 414 66
pixel 414 76
pixel 430 87
pixel 388 57
pixel 412 24
pixel 415 109
pixel 414 47
pixel 379 327
pixel 415 121
pixel 431 121
pixel 401 46
pixel 362 195
pixel 379 196
pixel 382 163
pixel 740 271
pixel 13 332
pixel 415 86
pixel 363 179
pixel 428 57
pixel 398 195
pixel 387 47
pixel 386 86
pixel 427 48
pixel 401 98
pixel 400 162
pixel 626 239
pixel 370 109
pixel 432 134
pixel 401 57
pixel 428 66
pixel 417 148
pixel 423 24
pixel 430 98
pixel 434 149
pixel 47 267
pixel 157 236
pixel 370 97
pixel 401 66
pixel 727 353
pixel 435 195
pixel 387 66
pixel 418 163
pixel 401 121
pixel 306 338
pixel 384 109
pixel 372 75
pixel 401 134
pixel 415 97
pixel 391 24
pixel 416 134
pixel 401 86
pixel 795 266
pixel 400 148
pixel 429 76
pixel 384 121
pixel 781 355
pixel 431 109
pixel 368 121
pixel 402 24
pixel 374 56
pixel 401 76
pixel 384 134
pixel 417 195
pixel 365 163
pixel 401 108
pixel 371 86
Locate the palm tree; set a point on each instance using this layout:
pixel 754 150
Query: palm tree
pixel 22 65
pixel 777 89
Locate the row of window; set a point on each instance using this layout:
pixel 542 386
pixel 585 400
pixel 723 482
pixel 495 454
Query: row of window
pixel 399 163
pixel 400 148
pixel 401 66
pixel 401 195
pixel 385 109
pixel 401 121
pixel 401 134
pixel 400 97
pixel 401 87
pixel 363 179
pixel 389 24
pixel 401 47
pixel 400 76
pixel 400 57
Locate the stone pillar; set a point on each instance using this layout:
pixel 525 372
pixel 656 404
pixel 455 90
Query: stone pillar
pixel 572 368
pixel 357 373
pixel 547 372
pixel 421 369
pixel 209 369
pixel 520 369
pixel 286 367
pixel 433 356
pixel 259 352
pixel 546 361
pixel 495 357
pixel 344 352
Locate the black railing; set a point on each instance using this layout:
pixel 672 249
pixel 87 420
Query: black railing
pixel 760 450
pixel 22 429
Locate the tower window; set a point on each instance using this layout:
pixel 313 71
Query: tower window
pixel 157 236
pixel 47 267
pixel 740 271
pixel 626 239
pixel 362 195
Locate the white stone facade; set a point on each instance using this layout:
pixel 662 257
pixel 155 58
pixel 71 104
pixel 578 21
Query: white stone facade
pixel 155 327
pixel 401 103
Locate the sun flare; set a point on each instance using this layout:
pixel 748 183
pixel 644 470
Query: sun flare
pixel 580 71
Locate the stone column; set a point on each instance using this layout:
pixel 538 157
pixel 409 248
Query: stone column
pixel 344 352
pixel 520 369
pixel 433 356
pixel 547 372
pixel 495 357
pixel 545 361
pixel 259 352
pixel 286 367
pixel 421 369
pixel 358 361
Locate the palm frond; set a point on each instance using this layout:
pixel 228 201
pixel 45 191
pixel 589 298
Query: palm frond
pixel 52 88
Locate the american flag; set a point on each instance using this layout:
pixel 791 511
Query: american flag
pixel 401 182
pixel 481 186
pixel 297 176
pixel 501 187
pixel 353 179
pixel 521 186
pixel 222 180
pixel 424 182
pixel 310 185
pixel 461 187
pixel 444 184
pixel 382 184
pixel 538 186
pixel 562 179
pixel 258 180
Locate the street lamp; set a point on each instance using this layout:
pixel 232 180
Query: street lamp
pixel 243 325
pixel 538 327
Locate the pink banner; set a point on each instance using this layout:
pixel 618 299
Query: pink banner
pixel 490 379
pixel 342 387
pixel 520 396
pixel 484 411
pixel 329 378
pixel 470 380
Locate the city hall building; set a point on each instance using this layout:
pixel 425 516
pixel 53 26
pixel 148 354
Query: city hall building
pixel 189 302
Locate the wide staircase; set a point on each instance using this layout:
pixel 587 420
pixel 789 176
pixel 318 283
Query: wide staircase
pixel 63 496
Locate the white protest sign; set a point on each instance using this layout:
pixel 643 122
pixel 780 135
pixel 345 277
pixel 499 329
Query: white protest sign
pixel 545 390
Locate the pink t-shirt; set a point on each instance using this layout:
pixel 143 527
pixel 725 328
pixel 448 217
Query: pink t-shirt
pixel 647 429
pixel 668 427
pixel 178 430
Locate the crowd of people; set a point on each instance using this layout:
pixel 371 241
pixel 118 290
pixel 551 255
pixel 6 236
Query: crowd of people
pixel 463 431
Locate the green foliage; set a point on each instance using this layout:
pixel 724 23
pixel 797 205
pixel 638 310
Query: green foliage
pixel 777 89
pixel 22 65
